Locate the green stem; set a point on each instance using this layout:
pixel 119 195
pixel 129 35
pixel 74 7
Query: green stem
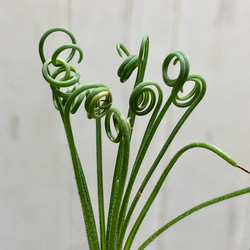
pixel 143 58
pixel 150 131
pixel 140 155
pixel 87 209
pixel 100 182
pixel 192 210
pixel 119 177
pixel 162 179
pixel 115 200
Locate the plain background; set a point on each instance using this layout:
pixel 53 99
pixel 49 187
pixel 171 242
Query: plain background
pixel 39 204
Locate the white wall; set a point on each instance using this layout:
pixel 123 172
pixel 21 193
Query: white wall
pixel 39 206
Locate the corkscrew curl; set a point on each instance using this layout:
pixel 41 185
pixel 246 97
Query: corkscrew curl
pixel 63 66
pixel 176 57
pixel 48 33
pixel 195 94
pixel 133 61
pixel 144 98
pixel 68 90
pixel 67 80
pixel 98 100
pixel 68 95
pixel 120 123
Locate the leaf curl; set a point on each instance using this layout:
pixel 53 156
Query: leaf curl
pixel 176 57
pixel 127 67
pixel 194 95
pixel 133 61
pixel 143 98
pixel 120 123
pixel 49 32
pixel 94 93
pixel 67 80
pixel 62 48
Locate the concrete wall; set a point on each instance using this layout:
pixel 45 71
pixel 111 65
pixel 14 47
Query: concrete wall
pixel 39 205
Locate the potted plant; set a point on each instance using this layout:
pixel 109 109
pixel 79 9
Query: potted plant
pixel 70 93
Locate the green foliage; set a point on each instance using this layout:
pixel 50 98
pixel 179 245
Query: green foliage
pixel 146 98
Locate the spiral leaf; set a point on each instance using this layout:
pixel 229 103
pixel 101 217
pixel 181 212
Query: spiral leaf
pixel 120 124
pixel 95 105
pixel 67 80
pixel 127 67
pixel 98 100
pixel 69 93
pixel 176 57
pixel 133 61
pixel 63 48
pixel 49 32
pixel 143 98
pixel 195 94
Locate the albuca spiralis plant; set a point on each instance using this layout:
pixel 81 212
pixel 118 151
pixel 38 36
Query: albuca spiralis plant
pixel 146 98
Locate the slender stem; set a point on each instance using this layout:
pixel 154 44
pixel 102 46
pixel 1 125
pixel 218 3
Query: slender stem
pixel 192 210
pixel 150 131
pixel 139 158
pixel 80 179
pixel 68 101
pixel 162 179
pixel 119 178
pixel 200 90
pixel 115 200
pixel 143 57
pixel 83 191
pixel 100 182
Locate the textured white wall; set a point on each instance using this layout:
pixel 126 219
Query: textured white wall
pixel 39 205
